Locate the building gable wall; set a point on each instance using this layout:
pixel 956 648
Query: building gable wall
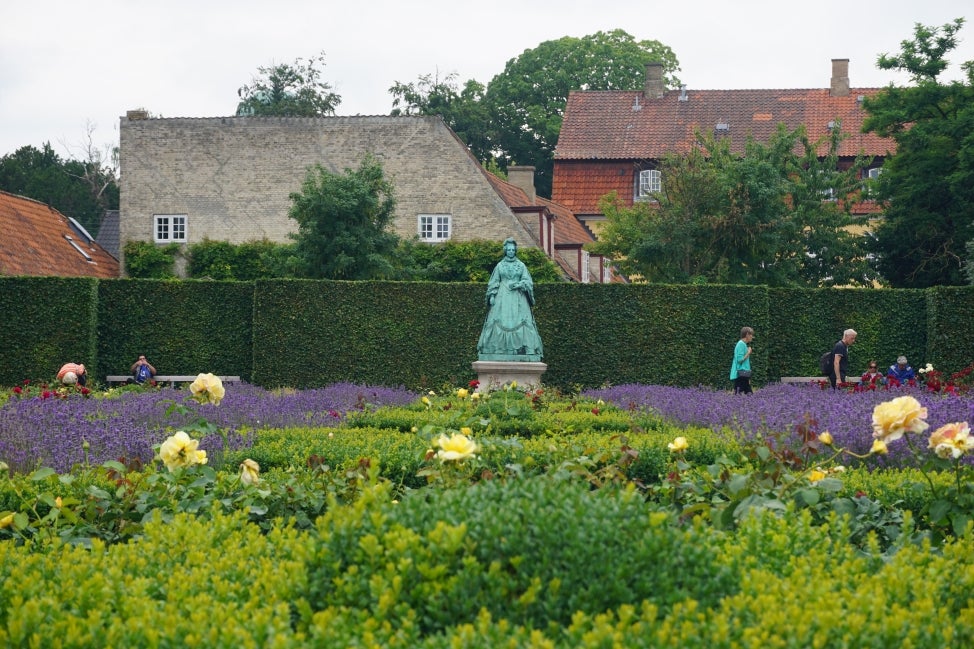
pixel 233 176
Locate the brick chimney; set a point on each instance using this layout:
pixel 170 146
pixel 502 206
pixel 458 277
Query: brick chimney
pixel 522 178
pixel 654 87
pixel 840 78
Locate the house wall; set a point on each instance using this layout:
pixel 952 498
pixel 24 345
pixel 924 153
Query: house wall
pixel 578 185
pixel 232 176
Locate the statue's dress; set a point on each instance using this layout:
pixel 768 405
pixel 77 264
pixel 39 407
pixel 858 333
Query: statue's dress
pixel 509 332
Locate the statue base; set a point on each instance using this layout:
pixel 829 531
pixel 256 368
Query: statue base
pixel 494 375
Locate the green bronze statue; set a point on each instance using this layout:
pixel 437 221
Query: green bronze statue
pixel 509 332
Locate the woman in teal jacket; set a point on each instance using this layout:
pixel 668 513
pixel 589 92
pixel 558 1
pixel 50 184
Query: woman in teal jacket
pixel 740 372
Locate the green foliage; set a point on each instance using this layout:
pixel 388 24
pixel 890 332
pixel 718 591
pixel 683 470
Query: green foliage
pixel 445 556
pixel 462 109
pixel 221 260
pixel 185 327
pixel 82 190
pixel 467 261
pixel 527 100
pixel 927 185
pixel 329 552
pixel 342 223
pixel 807 322
pixel 756 219
pixel 144 260
pixel 47 321
pixel 289 90
pixel 423 334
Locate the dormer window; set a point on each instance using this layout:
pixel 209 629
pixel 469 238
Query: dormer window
pixel 650 183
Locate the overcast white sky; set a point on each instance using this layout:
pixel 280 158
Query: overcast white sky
pixel 65 64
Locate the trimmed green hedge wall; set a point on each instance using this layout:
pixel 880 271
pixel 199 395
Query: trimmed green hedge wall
pixel 305 333
pixel 44 323
pixel 183 327
pixel 804 323
pixel 310 333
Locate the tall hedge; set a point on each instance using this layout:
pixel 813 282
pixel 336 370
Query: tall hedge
pixel 804 323
pixel 44 323
pixel 309 332
pixel 305 333
pixel 183 327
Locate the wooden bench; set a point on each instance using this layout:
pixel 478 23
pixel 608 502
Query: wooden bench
pixel 814 379
pixel 172 379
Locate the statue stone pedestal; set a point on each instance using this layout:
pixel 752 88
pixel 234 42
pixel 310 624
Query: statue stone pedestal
pixel 495 374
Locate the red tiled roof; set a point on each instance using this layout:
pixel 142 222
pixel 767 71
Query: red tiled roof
pixel 35 242
pixel 568 229
pixel 626 125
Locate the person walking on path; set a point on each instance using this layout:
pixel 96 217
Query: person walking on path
pixel 740 372
pixel 840 358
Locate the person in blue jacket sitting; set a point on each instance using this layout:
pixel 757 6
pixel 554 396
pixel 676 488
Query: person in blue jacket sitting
pixel 900 373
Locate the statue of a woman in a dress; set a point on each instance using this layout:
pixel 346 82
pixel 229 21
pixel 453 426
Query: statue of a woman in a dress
pixel 509 332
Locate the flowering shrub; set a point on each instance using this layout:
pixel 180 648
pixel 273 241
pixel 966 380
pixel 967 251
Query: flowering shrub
pixel 180 451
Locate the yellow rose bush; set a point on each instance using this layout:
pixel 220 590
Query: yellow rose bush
pixel 208 388
pixel 457 447
pixel 893 419
pixel 249 472
pixel 180 451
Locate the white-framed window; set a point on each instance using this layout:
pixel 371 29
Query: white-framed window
pixel 873 174
pixel 650 182
pixel 434 227
pixel 586 267
pixel 170 228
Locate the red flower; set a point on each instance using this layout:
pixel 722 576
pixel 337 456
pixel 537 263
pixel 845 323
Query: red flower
pixel 595 411
pixel 17 390
pixel 45 394
pixel 26 381
pixel 474 384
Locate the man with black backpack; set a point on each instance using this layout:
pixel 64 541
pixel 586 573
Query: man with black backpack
pixel 839 359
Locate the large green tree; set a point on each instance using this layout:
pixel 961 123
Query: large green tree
pixel 462 109
pixel 516 120
pixel 342 223
pixel 765 218
pixel 82 190
pixel 289 90
pixel 527 100
pixel 927 187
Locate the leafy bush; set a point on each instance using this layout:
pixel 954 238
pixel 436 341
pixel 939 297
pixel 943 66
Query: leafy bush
pixel 444 556
pixel 146 260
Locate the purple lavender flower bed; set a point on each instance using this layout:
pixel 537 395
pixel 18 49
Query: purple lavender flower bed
pixel 781 407
pixel 50 432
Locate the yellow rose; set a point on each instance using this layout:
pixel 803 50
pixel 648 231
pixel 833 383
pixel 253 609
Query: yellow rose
pixel 950 441
pixel 826 438
pixel 475 396
pixel 678 445
pixel 426 401
pixel 894 418
pixel 208 388
pixel 6 521
pixel 455 448
pixel 462 393
pixel 879 447
pixel 180 451
pixel 815 475
pixel 58 502
pixel 249 472
pixel 466 431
